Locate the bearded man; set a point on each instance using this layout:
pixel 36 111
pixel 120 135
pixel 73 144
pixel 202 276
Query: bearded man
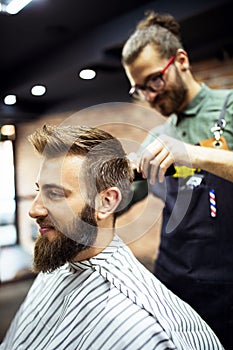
pixel 91 292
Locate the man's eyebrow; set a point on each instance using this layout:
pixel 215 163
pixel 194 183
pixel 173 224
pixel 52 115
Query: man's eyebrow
pixel 52 185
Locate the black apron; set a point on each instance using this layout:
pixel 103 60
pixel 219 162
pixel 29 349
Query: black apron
pixel 195 258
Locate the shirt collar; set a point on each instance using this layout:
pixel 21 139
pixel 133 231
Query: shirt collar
pixel 102 256
pixel 195 104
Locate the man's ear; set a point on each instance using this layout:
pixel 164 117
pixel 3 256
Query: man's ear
pixel 182 59
pixel 108 201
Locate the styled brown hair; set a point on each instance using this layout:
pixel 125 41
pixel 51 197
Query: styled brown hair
pixel 105 163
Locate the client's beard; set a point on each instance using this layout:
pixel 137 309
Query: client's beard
pixel 78 236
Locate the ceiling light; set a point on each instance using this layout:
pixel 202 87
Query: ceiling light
pixel 87 74
pixel 13 6
pixel 38 90
pixel 8 130
pixel 10 100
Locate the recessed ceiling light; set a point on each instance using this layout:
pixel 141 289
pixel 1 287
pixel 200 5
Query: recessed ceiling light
pixel 87 74
pixel 10 100
pixel 38 90
pixel 13 6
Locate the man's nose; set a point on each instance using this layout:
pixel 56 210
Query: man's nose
pixel 150 96
pixel 38 209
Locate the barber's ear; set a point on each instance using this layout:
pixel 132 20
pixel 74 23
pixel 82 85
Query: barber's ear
pixel 107 202
pixel 182 59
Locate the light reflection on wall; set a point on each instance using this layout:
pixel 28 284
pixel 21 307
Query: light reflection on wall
pixel 8 233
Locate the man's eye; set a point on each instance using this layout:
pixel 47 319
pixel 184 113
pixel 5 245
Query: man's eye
pixel 55 194
pixel 155 81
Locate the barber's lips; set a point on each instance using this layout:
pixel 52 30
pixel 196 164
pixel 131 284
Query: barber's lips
pixel 45 229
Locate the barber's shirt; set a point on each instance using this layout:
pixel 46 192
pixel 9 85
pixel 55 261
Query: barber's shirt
pixel 107 302
pixel 195 122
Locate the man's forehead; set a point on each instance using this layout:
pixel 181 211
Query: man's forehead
pixel 57 167
pixel 147 62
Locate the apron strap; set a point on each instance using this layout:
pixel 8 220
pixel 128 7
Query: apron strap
pixel 221 120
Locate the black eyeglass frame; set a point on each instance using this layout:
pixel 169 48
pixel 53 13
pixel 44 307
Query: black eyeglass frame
pixel 139 92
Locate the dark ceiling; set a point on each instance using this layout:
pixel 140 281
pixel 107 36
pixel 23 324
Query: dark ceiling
pixel 50 41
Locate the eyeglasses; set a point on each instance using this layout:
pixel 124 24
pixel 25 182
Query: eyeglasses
pixel 154 83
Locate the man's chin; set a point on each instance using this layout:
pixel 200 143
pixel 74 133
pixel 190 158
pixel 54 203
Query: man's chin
pixel 50 253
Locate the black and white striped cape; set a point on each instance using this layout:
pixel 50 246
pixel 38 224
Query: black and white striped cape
pixel 107 302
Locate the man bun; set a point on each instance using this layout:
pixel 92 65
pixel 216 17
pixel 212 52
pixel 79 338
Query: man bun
pixel 163 20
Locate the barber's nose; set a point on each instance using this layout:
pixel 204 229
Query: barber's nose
pixel 150 96
pixel 37 208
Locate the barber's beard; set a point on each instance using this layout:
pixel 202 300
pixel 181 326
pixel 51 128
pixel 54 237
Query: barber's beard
pixel 79 235
pixel 172 98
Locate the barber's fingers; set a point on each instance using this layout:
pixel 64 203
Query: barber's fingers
pixel 163 167
pixel 155 160
pixel 144 163
pixel 152 151
pixel 159 165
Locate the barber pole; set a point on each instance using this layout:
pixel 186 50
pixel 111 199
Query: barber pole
pixel 212 199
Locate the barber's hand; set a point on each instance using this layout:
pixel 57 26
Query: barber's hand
pixel 160 155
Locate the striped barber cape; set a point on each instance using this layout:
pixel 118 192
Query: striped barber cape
pixel 109 302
